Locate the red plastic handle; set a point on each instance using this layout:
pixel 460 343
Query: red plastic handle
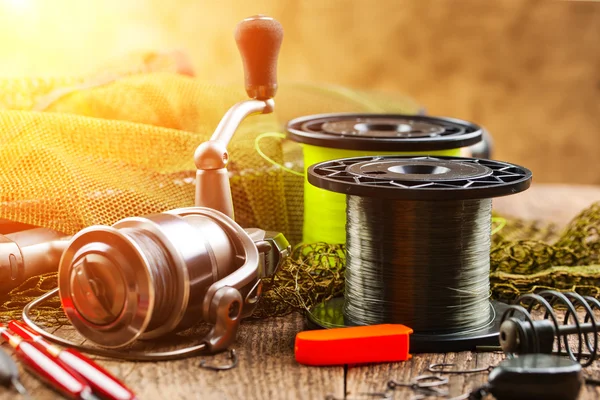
pixel 355 345
pixel 35 358
pixel 99 379
pixel 25 333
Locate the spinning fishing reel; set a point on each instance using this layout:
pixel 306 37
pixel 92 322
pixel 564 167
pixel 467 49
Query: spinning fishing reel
pixel 521 332
pixel 148 276
pixel 145 277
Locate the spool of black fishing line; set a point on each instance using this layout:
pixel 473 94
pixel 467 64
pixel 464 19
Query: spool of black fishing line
pixel 418 242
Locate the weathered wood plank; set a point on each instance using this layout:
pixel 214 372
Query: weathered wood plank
pixel 266 370
pixel 374 378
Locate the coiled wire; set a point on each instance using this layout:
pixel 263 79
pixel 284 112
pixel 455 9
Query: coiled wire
pixel 162 272
pixel 579 326
pixel 424 264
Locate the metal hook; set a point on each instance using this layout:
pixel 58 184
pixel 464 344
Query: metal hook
pixel 374 395
pixel 234 362
pixel 424 385
pixel 429 381
pixel 420 382
pixel 439 368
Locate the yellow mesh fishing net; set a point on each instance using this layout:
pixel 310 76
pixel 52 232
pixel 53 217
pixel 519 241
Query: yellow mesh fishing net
pixel 103 149
pixel 76 152
pixel 81 151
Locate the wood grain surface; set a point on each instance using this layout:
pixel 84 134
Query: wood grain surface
pixel 267 369
pixel 374 378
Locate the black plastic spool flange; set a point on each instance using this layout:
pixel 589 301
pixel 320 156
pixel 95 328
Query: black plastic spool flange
pixel 330 314
pixel 384 132
pixel 420 178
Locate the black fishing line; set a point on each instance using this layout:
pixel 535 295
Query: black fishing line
pixel 424 264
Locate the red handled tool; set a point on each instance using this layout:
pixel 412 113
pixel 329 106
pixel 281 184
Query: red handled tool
pixel 354 345
pixel 101 381
pixel 48 368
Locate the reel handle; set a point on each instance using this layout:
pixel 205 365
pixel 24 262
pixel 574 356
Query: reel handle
pixel 259 39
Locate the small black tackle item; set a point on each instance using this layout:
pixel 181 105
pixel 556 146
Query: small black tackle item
pixel 534 377
pixel 9 373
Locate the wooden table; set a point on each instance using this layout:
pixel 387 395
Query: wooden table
pixel 267 369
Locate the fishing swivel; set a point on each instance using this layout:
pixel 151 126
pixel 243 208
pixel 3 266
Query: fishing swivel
pixel 423 386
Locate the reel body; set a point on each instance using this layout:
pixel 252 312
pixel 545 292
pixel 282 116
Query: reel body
pixel 148 276
pixel 28 253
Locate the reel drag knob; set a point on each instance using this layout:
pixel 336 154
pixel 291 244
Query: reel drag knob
pixel 259 39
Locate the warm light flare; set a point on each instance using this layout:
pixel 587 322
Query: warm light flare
pixel 18 5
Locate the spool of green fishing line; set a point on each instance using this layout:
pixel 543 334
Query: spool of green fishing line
pixel 336 136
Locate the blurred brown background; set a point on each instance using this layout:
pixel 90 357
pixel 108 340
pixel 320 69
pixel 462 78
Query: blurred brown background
pixel 529 71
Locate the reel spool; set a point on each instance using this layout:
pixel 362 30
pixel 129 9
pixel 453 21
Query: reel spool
pixel 418 245
pixel 334 136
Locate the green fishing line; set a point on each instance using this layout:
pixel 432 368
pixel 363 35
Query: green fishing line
pixel 339 136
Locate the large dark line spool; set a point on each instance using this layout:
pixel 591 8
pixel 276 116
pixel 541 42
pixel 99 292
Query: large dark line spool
pixel 420 250
pixel 429 185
